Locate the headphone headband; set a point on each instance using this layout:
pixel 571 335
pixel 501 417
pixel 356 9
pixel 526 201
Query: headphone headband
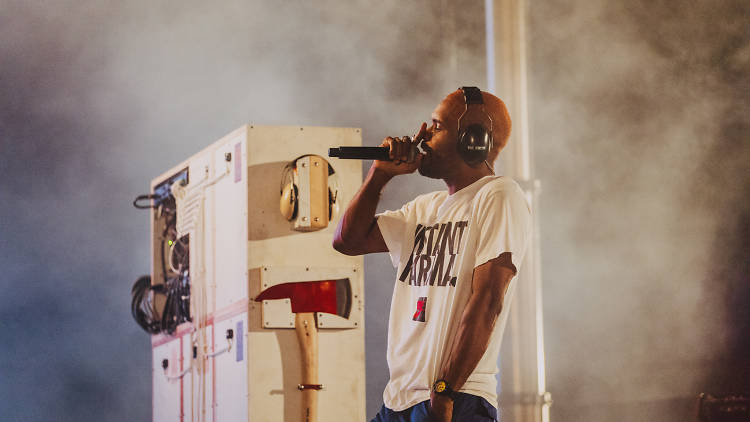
pixel 472 95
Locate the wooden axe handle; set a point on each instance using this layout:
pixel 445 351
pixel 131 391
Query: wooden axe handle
pixel 307 334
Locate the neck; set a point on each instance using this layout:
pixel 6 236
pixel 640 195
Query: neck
pixel 462 179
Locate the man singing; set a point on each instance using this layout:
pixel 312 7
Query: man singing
pixel 457 254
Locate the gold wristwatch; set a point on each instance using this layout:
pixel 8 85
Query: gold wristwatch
pixel 442 388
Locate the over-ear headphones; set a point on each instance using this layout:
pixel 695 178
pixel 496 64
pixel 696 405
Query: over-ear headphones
pixel 474 139
pixel 290 193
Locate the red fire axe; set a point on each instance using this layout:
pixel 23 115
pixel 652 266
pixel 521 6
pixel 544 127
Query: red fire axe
pixel 307 298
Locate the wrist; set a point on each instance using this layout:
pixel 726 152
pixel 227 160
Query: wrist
pixel 441 388
pixel 378 177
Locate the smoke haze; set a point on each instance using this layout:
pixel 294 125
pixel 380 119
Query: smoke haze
pixel 639 119
pixel 97 98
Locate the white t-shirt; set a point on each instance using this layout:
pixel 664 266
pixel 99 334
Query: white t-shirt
pixel 436 241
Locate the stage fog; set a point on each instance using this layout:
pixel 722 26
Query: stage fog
pixel 638 117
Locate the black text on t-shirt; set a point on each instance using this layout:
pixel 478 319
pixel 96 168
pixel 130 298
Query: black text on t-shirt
pixel 434 253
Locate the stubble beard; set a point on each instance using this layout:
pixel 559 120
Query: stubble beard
pixel 427 169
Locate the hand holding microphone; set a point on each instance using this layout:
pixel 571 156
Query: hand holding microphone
pixel 394 155
pixel 404 156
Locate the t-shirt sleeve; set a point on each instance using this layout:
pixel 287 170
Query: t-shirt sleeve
pixel 504 220
pixel 393 226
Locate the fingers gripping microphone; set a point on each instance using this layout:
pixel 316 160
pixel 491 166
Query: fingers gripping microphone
pixel 360 153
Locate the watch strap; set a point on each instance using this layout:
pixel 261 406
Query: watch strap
pixel 442 388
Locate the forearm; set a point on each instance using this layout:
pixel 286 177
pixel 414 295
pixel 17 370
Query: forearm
pixel 471 341
pixel 359 216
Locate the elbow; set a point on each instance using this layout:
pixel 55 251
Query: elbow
pixel 495 306
pixel 488 308
pixel 348 242
pixel 338 240
pixel 494 315
pixel 340 246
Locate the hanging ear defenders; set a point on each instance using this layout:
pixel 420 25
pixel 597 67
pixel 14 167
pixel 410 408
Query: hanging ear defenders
pixel 291 194
pixel 474 137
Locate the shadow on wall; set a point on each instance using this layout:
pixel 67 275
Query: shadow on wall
pixel 264 218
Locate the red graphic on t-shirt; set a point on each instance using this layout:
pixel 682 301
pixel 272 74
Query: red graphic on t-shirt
pixel 421 309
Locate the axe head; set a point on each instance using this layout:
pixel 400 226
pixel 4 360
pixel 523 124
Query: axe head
pixel 330 296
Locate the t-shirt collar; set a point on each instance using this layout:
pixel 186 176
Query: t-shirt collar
pixel 469 190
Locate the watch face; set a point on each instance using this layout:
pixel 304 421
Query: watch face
pixel 440 386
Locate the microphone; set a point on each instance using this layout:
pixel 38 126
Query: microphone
pixel 360 153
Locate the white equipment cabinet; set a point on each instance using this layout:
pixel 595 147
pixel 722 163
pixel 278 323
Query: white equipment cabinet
pixel 240 244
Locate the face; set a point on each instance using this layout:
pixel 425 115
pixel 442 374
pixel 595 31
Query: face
pixel 442 159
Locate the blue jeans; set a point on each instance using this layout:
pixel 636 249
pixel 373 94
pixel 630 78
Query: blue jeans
pixel 466 408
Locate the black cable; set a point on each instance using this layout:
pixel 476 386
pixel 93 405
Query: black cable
pixel 142 305
pixel 148 196
pixel 176 310
pixel 177 304
pixel 175 287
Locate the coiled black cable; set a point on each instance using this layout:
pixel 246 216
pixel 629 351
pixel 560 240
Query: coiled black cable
pixel 176 292
pixel 142 305
pixel 173 290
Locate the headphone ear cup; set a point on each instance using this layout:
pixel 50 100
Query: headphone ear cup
pixel 474 142
pixel 333 206
pixel 288 201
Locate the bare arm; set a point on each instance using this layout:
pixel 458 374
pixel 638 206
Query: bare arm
pixel 358 232
pixel 489 284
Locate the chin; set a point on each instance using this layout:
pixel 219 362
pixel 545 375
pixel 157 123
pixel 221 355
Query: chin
pixel 428 171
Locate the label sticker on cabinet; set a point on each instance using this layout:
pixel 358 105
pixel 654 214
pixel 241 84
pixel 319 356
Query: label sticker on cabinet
pixel 239 338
